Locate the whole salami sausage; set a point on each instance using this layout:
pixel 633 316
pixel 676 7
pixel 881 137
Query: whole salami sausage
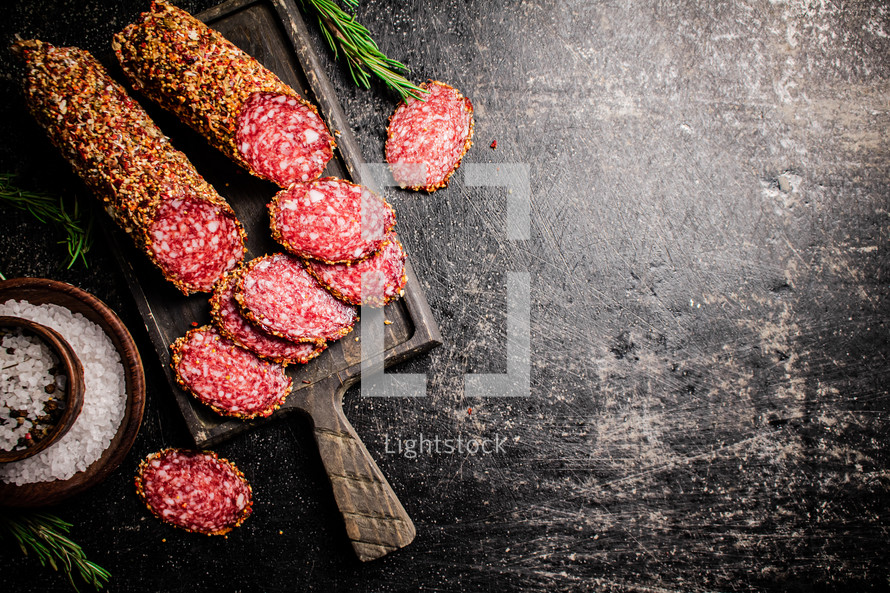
pixel 194 490
pixel 149 188
pixel 426 140
pixel 384 274
pixel 237 104
pixel 278 294
pixel 232 324
pixel 330 220
pixel 231 380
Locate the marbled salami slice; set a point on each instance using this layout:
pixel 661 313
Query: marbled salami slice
pixel 280 296
pixel 232 324
pixel 194 490
pixel 194 241
pixel 282 138
pixel 427 140
pixel 385 271
pixel 231 380
pixel 330 220
pixel 236 103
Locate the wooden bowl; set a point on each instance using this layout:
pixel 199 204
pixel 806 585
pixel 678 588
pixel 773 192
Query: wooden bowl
pixel 73 371
pixel 38 291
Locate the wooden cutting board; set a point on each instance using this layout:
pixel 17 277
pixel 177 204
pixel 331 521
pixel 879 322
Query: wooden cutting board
pixel 376 523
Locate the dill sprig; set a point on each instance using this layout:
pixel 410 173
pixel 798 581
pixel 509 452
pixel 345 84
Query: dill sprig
pixel 79 238
pixel 45 535
pixel 345 34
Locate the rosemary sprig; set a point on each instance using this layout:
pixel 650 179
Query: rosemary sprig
pixel 44 534
pixel 345 34
pixel 79 238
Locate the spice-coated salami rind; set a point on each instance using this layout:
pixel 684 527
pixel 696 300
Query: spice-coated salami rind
pixel 330 220
pixel 194 490
pixel 237 104
pixel 384 276
pixel 232 324
pixel 277 293
pixel 149 188
pixel 231 380
pixel 426 140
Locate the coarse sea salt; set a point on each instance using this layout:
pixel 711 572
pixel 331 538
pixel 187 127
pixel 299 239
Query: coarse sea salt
pixel 104 401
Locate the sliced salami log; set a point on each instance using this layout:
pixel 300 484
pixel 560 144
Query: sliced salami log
pixel 232 324
pixel 427 140
pixel 194 490
pixel 231 380
pixel 149 188
pixel 330 220
pixel 384 271
pixel 237 104
pixel 280 296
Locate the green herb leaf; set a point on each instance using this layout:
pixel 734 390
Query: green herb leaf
pixel 47 209
pixel 350 38
pixel 45 535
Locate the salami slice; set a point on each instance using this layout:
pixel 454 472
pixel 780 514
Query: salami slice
pixel 194 241
pixel 231 380
pixel 149 188
pixel 384 276
pixel 194 490
pixel 232 324
pixel 330 220
pixel 237 104
pixel 280 296
pixel 427 140
pixel 282 138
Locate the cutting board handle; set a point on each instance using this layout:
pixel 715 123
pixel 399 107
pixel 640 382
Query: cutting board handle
pixel 376 522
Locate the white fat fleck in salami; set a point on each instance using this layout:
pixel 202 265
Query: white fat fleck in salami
pixel 194 241
pixel 383 272
pixel 231 380
pixel 194 490
pixel 330 220
pixel 279 295
pixel 426 140
pixel 282 138
pixel 231 323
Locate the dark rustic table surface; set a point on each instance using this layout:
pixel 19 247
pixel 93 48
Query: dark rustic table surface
pixel 709 193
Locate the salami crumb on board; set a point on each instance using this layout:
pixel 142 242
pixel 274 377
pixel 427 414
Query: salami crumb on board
pixel 194 490
pixel 237 104
pixel 149 188
pixel 277 293
pixel 231 380
pixel 427 140
pixel 330 220
pixel 384 271
pixel 232 324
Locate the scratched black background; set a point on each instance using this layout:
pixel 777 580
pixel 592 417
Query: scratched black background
pixel 709 278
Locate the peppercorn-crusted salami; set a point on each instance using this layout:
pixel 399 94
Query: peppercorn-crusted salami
pixel 426 140
pixel 277 293
pixel 231 380
pixel 330 220
pixel 237 104
pixel 232 324
pixel 384 274
pixel 149 188
pixel 194 490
